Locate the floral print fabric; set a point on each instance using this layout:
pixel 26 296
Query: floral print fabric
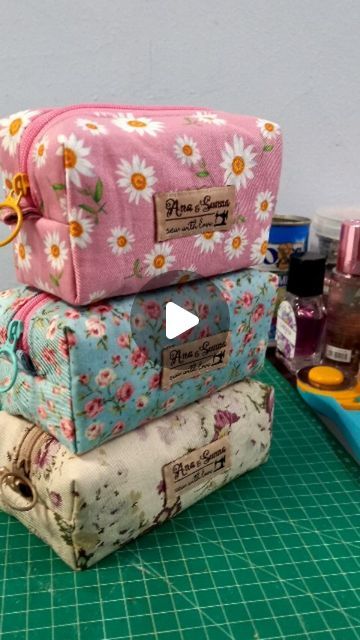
pixel 90 506
pixel 92 380
pixel 93 175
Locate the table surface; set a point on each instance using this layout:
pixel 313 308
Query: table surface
pixel 274 554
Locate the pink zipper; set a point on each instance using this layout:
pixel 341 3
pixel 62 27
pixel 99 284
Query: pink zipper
pixel 40 122
pixel 25 315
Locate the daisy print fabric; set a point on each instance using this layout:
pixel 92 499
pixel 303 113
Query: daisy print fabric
pixel 140 125
pixel 12 129
pixel 96 172
pixel 99 369
pixel 23 252
pixel 136 179
pixel 74 154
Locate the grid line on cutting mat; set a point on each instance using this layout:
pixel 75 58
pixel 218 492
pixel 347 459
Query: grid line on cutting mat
pixel 274 555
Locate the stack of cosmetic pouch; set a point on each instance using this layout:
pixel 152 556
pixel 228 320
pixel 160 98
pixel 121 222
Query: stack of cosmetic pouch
pixel 137 190
pixel 87 507
pixel 91 373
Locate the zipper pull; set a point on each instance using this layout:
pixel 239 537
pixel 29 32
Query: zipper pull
pixel 25 362
pixel 8 351
pixel 15 484
pixel 19 189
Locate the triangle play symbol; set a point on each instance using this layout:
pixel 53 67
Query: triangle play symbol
pixel 178 320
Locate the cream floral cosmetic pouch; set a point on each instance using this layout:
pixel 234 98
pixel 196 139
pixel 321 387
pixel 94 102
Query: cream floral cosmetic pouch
pixel 87 507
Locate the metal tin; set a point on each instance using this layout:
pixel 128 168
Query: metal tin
pixel 288 235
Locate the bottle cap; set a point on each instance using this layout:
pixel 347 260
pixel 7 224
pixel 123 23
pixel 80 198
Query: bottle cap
pixel 306 274
pixel 349 249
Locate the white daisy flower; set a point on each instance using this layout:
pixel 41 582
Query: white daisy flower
pixel 23 252
pixel 268 129
pixel 121 241
pixel 103 114
pixel 264 204
pixel 137 179
pixel 236 242
pixel 6 180
pixel 12 128
pixel 44 286
pixel 74 154
pixel 209 118
pixel 141 124
pixel 186 150
pixel 259 248
pixel 207 241
pixel 238 162
pixel 97 295
pixel 64 205
pixel 159 260
pixel 80 228
pixel 187 275
pixel 92 127
pixel 55 250
pixel 40 151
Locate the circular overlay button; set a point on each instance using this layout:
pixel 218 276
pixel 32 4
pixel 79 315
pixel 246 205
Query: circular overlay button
pixel 196 303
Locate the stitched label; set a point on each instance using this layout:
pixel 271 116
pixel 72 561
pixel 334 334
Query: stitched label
pixel 196 467
pixel 195 358
pixel 193 211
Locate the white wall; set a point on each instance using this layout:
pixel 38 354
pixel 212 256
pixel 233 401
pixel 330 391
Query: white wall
pixel 294 61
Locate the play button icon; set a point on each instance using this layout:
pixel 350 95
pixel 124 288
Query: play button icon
pixel 176 309
pixel 178 320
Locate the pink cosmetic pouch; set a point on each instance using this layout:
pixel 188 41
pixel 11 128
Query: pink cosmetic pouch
pixel 103 198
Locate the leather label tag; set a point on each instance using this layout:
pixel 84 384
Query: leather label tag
pixel 193 211
pixel 196 467
pixel 195 358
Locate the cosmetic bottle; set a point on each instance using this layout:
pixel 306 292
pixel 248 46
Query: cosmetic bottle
pixel 301 315
pixel 342 339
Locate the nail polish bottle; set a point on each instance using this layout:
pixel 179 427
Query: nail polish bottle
pixel 301 315
pixel 342 339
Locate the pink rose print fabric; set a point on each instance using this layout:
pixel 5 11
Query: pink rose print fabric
pixel 84 379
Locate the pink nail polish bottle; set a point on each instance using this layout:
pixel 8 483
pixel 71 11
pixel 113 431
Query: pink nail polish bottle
pixel 342 340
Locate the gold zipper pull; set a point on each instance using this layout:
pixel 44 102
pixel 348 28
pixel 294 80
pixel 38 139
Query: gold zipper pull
pixel 19 189
pixel 13 482
pixel 16 488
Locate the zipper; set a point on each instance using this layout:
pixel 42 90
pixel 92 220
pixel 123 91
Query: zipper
pixel 34 129
pixel 16 349
pixel 25 314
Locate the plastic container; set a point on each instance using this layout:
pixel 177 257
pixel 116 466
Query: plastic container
pixel 326 226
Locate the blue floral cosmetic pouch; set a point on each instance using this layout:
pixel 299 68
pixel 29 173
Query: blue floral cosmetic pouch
pixel 86 375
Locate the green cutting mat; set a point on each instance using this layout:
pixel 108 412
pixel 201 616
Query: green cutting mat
pixel 275 554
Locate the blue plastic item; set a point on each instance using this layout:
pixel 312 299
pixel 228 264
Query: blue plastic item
pixel 336 407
